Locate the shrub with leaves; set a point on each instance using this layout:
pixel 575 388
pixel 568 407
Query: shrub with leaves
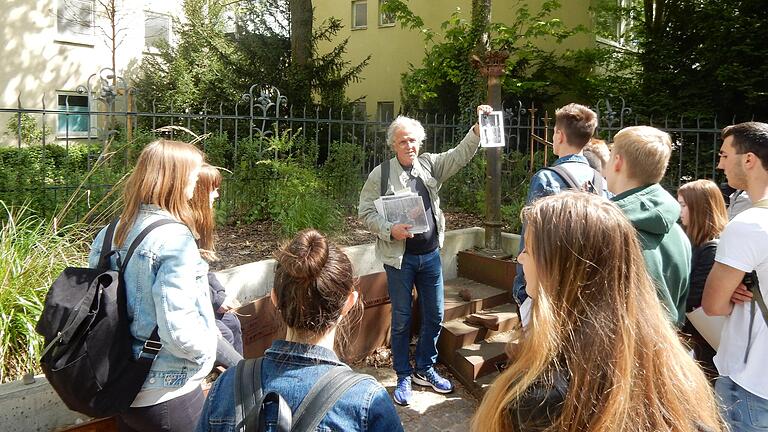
pixel 34 252
pixel 297 201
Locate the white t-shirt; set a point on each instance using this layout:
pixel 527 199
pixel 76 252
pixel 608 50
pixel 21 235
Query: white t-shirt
pixel 744 246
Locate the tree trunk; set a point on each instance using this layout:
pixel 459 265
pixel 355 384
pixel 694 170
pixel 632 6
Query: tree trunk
pixel 481 20
pixel 301 31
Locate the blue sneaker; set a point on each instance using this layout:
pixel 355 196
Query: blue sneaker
pixel 402 394
pixel 430 378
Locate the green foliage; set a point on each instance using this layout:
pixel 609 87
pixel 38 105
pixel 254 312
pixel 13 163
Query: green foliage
pixel 342 173
pixel 447 80
pixel 296 201
pixel 26 126
pixel 465 190
pixel 34 252
pixel 209 66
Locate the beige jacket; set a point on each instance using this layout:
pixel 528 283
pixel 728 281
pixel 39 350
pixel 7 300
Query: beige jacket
pixel 434 170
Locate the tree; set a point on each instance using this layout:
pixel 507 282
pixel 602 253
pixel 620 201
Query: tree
pixel 446 79
pixel 214 65
pixel 106 17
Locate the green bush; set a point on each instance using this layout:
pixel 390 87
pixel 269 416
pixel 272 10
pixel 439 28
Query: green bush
pixel 25 126
pixel 296 201
pixel 34 252
pixel 342 172
pixel 465 191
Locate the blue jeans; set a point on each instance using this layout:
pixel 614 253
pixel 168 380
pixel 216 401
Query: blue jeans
pixel 426 272
pixel 743 411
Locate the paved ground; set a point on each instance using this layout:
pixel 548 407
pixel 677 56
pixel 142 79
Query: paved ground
pixel 430 411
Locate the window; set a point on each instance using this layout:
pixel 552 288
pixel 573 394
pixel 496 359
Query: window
pixel 385 19
pixel 358 108
pixel 359 14
pixel 73 125
pixel 157 30
pixel 75 20
pixel 385 111
pixel 613 25
pixel 229 19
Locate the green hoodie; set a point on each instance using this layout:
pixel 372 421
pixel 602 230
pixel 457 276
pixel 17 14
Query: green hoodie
pixel 666 248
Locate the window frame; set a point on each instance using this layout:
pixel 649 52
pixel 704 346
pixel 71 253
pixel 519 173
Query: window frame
pixel 149 49
pixel 379 111
pixel 74 134
pixel 355 4
pixel 382 15
pixel 66 35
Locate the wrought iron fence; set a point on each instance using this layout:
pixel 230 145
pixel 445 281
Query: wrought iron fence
pixel 243 131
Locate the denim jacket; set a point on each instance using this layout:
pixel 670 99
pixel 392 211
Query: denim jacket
pixel 434 169
pixel 166 285
pixel 545 183
pixel 290 369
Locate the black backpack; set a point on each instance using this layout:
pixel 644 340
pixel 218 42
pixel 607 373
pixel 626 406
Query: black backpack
pixel 88 355
pixel 595 186
pixel 250 400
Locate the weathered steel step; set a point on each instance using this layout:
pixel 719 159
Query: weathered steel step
pixel 481 297
pixel 457 333
pixel 476 360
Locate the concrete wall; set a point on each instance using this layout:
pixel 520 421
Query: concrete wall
pixel 393 49
pixel 251 281
pixel 36 407
pixel 39 60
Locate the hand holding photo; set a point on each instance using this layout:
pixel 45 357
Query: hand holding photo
pixel 491 129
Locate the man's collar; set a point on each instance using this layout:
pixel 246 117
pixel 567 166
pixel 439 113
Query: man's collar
pixel 571 158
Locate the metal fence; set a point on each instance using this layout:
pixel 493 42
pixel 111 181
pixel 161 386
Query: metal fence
pixel 244 128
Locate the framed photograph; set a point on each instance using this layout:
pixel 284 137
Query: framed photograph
pixel 491 129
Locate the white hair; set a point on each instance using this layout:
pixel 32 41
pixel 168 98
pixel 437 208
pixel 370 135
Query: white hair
pixel 403 122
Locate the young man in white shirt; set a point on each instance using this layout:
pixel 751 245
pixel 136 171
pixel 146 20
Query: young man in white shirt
pixel 743 248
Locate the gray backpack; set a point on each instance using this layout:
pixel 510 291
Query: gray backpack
pixel 250 399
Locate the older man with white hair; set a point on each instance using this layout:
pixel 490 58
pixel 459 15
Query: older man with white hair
pixel 414 259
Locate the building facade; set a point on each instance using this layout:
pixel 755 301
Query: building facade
pixel 52 48
pixel 393 49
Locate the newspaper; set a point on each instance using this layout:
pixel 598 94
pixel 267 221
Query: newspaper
pixel 404 208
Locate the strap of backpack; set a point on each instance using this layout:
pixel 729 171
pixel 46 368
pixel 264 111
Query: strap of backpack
pixel 598 182
pixel 247 384
pixel 139 238
pixel 255 422
pixel 323 396
pixel 384 177
pixel 106 244
pixel 565 175
pixel 597 178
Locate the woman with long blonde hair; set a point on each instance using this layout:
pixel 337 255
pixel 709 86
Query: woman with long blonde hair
pixel 703 216
pixel 229 349
pixel 166 288
pixel 600 353
pixel 206 192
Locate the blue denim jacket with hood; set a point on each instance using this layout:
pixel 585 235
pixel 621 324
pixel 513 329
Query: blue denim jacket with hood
pixel 167 285
pixel 291 369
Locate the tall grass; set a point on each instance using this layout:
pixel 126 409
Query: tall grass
pixel 33 252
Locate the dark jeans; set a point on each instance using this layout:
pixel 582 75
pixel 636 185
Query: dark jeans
pixel 426 272
pixel 229 326
pixel 176 415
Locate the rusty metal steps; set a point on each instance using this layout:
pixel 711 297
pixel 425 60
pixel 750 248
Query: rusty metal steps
pixel 472 352
pixel 476 360
pixel 457 334
pixel 482 297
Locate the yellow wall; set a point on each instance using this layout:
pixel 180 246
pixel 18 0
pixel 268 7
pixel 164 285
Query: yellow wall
pixel 36 61
pixel 393 48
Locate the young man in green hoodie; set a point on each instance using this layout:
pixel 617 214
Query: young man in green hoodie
pixel 638 161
